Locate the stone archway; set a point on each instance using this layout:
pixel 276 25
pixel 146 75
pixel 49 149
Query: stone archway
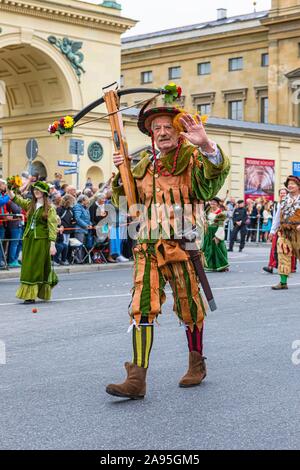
pixel 39 86
pixel 36 56
pixel 96 175
pixel 39 168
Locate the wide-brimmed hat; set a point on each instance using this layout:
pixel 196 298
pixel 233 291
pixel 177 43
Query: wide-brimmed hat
pixel 41 186
pixel 146 116
pixel 296 179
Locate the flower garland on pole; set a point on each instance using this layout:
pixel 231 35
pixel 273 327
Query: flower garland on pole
pixel 61 127
pixel 66 124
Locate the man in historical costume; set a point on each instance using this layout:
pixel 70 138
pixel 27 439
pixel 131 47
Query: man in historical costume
pixel 273 237
pixel 287 222
pixel 187 169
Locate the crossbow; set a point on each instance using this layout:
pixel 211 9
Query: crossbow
pixel 111 97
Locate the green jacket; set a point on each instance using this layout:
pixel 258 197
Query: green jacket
pixel 207 178
pixel 43 229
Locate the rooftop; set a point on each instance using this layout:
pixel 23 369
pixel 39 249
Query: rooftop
pixel 231 124
pixel 204 28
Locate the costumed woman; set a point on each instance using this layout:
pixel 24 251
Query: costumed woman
pixel 214 247
pixel 38 243
pixel 287 222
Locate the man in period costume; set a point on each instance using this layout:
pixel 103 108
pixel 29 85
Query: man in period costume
pixel 273 237
pixel 287 222
pixel 186 170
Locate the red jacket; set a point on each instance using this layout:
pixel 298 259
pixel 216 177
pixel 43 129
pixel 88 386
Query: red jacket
pixel 4 199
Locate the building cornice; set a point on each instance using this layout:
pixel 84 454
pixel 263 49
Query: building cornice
pixel 275 20
pixel 73 13
pixel 176 47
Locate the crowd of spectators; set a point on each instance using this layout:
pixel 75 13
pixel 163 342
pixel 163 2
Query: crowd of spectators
pixel 80 237
pixel 257 218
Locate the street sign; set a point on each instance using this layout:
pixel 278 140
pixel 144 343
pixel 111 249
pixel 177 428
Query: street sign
pixel 31 149
pixel 73 171
pixel 76 147
pixel 67 164
pixel 296 169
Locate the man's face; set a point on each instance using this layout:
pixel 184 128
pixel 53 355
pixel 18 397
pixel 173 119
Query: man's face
pixel 2 187
pixel 71 190
pixel 241 205
pixel 165 135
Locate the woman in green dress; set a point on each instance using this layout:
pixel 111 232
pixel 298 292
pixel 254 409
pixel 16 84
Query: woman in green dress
pixel 38 243
pixel 214 247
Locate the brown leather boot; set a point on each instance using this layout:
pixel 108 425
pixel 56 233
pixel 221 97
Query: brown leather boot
pixel 280 286
pixel 196 372
pixel 134 386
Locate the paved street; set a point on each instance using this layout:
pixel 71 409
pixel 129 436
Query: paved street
pixel 59 360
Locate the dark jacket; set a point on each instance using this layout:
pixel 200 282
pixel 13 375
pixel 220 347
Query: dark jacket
pixel 95 214
pixel 66 216
pixel 240 215
pixel 16 222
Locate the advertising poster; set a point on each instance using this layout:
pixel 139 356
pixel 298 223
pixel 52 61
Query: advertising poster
pixel 296 169
pixel 259 178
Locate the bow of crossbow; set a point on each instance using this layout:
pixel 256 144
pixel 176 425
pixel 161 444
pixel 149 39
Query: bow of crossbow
pixel 128 91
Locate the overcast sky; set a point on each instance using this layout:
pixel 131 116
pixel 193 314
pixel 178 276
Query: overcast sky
pixel 155 15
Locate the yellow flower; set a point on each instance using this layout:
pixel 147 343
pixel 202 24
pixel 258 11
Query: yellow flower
pixel 18 181
pixel 69 122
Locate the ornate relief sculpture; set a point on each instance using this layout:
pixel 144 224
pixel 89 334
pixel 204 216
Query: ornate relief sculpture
pixel 70 49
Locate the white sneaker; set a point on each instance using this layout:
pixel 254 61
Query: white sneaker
pixel 122 259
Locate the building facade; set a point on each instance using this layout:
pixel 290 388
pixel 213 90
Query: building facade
pixel 244 68
pixel 55 57
pixel 243 72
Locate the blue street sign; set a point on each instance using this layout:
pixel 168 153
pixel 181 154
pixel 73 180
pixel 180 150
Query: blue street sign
pixel 73 171
pixel 68 164
pixel 296 169
pixel 76 147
